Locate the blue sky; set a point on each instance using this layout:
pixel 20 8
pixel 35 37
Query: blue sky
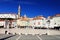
pixel 31 8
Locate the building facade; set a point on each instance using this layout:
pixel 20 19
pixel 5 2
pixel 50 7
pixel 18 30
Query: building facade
pixel 7 20
pixel 54 21
pixel 16 20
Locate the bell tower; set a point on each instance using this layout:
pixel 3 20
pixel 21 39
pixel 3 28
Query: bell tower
pixel 19 11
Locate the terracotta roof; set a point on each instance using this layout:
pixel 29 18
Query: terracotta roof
pixel 38 18
pixel 35 18
pixel 23 19
pixel 57 15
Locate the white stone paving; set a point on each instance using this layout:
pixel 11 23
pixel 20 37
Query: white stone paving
pixel 30 31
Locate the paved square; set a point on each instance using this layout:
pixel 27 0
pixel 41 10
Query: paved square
pixel 50 37
pixel 30 37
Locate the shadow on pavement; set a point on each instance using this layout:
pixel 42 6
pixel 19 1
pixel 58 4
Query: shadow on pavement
pixel 6 37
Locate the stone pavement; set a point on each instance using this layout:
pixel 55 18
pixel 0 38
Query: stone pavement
pixel 34 37
pixel 30 31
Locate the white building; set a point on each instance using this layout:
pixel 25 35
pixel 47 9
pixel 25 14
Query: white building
pixel 38 22
pixel 6 20
pixel 8 15
pixel 54 21
pixel 2 23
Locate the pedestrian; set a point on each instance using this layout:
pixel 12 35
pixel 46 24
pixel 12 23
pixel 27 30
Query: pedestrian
pixel 6 32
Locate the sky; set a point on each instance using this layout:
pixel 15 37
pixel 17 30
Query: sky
pixel 31 8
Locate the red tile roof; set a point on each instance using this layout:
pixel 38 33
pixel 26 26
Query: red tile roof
pixel 57 15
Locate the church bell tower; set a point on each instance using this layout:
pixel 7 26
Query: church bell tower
pixel 19 11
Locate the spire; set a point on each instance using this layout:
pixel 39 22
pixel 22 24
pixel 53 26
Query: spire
pixel 25 16
pixel 19 11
